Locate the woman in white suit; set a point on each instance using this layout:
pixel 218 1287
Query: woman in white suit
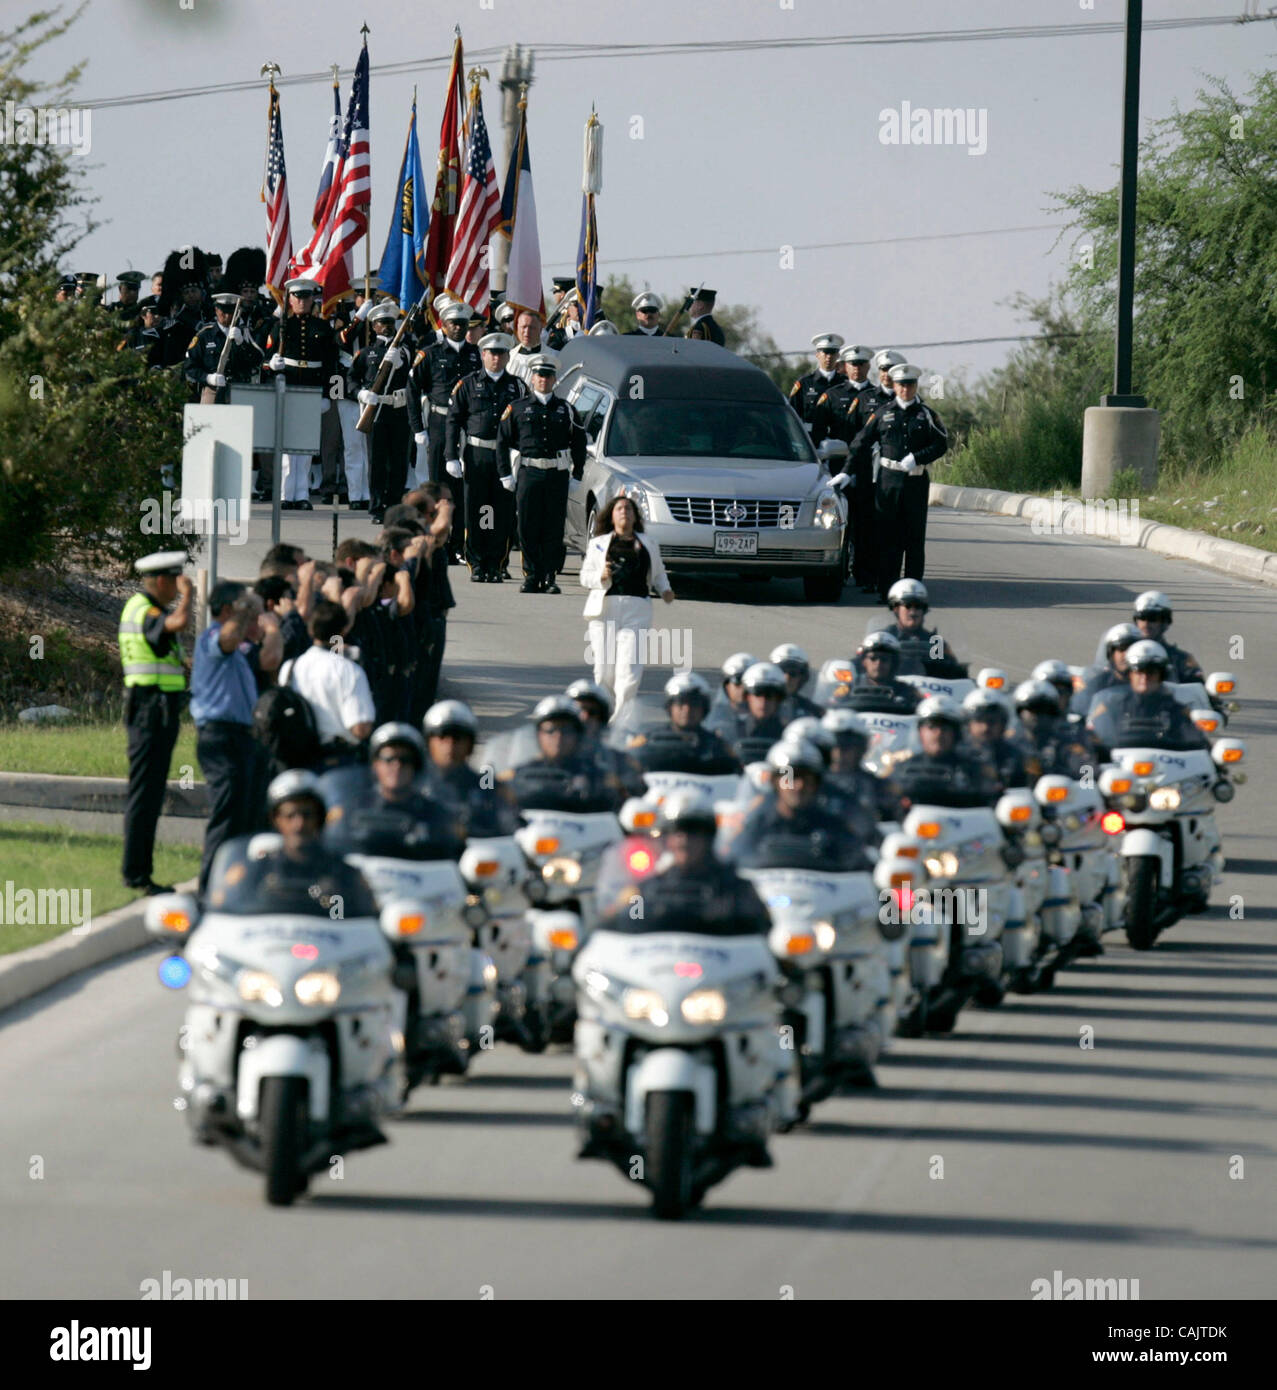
pixel 620 569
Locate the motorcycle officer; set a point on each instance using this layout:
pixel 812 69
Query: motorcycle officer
pixel 794 662
pixel 943 773
pixel 923 652
pixel 988 725
pixel 875 687
pixel 1153 615
pixel 684 744
pixel 1062 747
pixel 729 711
pixel 765 690
pixel 484 809
pixel 595 704
pixel 1114 672
pixel 851 742
pixel 393 817
pixel 1142 713
pixel 563 776
pixel 844 796
pixel 1056 674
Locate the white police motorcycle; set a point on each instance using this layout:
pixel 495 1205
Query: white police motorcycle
pixel 292 1045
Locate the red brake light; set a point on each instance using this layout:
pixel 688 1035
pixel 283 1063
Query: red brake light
pixel 640 861
pixel 903 897
pixel 1112 822
pixel 305 952
pixel 687 969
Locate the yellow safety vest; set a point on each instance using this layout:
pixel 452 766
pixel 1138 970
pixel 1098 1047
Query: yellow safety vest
pixel 141 664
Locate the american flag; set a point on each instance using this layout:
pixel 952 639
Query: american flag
pixel 330 159
pixel 279 231
pixel 477 217
pixel 328 257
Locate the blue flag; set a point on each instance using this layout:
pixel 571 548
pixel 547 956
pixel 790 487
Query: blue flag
pixel 587 264
pixel 403 262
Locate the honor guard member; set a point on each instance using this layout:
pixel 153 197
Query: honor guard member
pixel 880 376
pixel 243 362
pixel 435 372
pixel 527 332
pixel 478 403
pixel 303 347
pixel 129 282
pixel 1153 615
pixel 544 430
pixel 213 270
pixel 814 386
pixel 144 335
pixel 699 307
pixel 395 407
pixel 838 413
pixel 245 271
pixel 564 328
pixel 157 289
pixel 647 311
pixel 909 436
pixel 154 684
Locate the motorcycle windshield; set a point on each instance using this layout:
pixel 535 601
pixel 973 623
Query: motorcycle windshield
pixel 316 883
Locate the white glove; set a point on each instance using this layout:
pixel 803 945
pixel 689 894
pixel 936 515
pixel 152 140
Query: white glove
pixel 367 397
pixel 277 363
pixel 908 461
pixel 215 379
pixel 236 335
pixel 508 483
pixel 454 468
pixel 395 356
pixel 842 480
pixel 363 311
pixel 420 439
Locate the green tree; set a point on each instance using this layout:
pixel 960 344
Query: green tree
pixel 84 426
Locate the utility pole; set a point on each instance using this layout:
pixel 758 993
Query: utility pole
pixel 516 71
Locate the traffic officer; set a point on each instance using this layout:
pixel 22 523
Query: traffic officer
pixel 474 411
pixel 1062 747
pixel 988 723
pixel 154 683
pixel 303 347
pixel 129 282
pixel 243 362
pixel 875 687
pixel 766 690
pixel 542 427
pixel 909 436
pixel 436 369
pixel 923 651
pixel 1142 713
pixel 814 386
pixel 699 306
pixel 685 743
pixel 396 410
pixel 944 772
pixel 880 376
pixel 1153 615
pixel 647 310
pixel 1113 671
pixel 796 665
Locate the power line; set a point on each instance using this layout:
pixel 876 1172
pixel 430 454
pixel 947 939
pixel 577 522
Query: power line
pixel 942 342
pixel 565 52
pixel 811 246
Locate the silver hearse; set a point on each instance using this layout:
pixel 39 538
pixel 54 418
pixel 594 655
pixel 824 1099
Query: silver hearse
pixel 717 462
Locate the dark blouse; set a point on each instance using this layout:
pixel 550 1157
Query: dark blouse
pixel 631 568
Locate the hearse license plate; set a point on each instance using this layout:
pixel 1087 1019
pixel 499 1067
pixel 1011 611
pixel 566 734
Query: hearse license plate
pixel 735 543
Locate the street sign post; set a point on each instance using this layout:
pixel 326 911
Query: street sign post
pixel 217 474
pixel 285 421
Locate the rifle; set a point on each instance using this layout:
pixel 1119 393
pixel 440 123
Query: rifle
pixel 683 308
pixel 208 396
pixel 369 413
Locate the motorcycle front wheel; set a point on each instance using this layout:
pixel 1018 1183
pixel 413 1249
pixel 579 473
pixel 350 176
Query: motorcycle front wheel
pixel 284 1119
pixel 1141 901
pixel 669 1153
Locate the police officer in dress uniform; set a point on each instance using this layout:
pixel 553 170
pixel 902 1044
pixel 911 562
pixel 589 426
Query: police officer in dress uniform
pixel 542 427
pixel 435 372
pixel 699 306
pixel 477 405
pixel 243 362
pixel 841 413
pixel 144 335
pixel 303 347
pixel 880 376
pixel 527 332
pixel 154 684
pixel 564 328
pixel 813 386
pixel 909 436
pixel 129 282
pixel 647 310
pixel 396 417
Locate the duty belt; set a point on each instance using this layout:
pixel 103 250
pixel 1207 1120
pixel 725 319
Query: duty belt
pixel 476 442
pixel 438 409
pixel 543 463
pixel 294 362
pixel 899 467
pixel 395 398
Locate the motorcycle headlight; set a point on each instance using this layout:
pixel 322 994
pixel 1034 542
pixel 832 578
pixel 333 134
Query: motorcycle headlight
pixel 562 871
pixel 826 937
pixel 475 912
pixel 258 987
pixel 705 1006
pixel 944 865
pixel 646 1004
pixel 828 515
pixel 1164 798
pixel 318 987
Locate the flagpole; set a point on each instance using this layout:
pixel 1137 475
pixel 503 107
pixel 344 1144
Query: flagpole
pixel 365 31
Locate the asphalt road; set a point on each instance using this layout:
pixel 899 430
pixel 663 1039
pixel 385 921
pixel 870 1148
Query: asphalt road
pixel 1117 1161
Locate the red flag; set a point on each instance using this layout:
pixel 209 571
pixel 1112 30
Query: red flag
pixel 443 209
pixel 477 217
pixel 279 232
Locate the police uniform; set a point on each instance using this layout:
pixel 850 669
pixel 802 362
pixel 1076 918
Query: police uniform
pixel 550 442
pixel 811 386
pixel 877 697
pixel 646 300
pixel 957 778
pixel 706 326
pixel 144 340
pixel 395 414
pixel 909 437
pixel 243 362
pixel 435 372
pixel 308 347
pixel 1121 718
pixel 474 412
pixel 154 684
pixel 556 338
pixel 178 331
pixel 123 311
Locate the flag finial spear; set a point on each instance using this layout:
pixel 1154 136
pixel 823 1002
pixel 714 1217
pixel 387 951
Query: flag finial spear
pixel 335 68
pixel 274 70
pixel 365 31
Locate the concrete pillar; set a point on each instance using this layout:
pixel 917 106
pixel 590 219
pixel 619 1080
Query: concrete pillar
pixel 1115 438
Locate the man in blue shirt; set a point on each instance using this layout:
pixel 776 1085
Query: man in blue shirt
pixel 223 693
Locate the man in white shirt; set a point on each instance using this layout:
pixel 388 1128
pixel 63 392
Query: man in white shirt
pixel 527 332
pixel 335 687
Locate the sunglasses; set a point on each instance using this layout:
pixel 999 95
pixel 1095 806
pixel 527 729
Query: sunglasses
pixel 402 758
pixel 647 309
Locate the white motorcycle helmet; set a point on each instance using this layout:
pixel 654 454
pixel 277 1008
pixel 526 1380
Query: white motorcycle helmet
pixel 809 727
pixel 796 755
pixel 688 810
pixel 1037 695
pixel 586 689
pixel 736 665
pixel 450 716
pixel 840 722
pixel 940 709
pixel 687 685
pixel 1153 604
pixel 764 676
pixel 908 591
pixel 981 701
pixel 1146 655
pixel 293 785
pixel 792 660
pixel 400 733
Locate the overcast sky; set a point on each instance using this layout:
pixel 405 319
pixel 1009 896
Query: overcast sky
pixel 739 150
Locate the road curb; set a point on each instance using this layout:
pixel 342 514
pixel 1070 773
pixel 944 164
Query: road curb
pixel 24 974
pixel 1075 518
pixel 102 794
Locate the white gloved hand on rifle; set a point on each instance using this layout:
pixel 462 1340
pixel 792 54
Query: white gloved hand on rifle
pixel 277 363
pixel 395 356
pixel 215 379
pixel 363 311
pixel 367 397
